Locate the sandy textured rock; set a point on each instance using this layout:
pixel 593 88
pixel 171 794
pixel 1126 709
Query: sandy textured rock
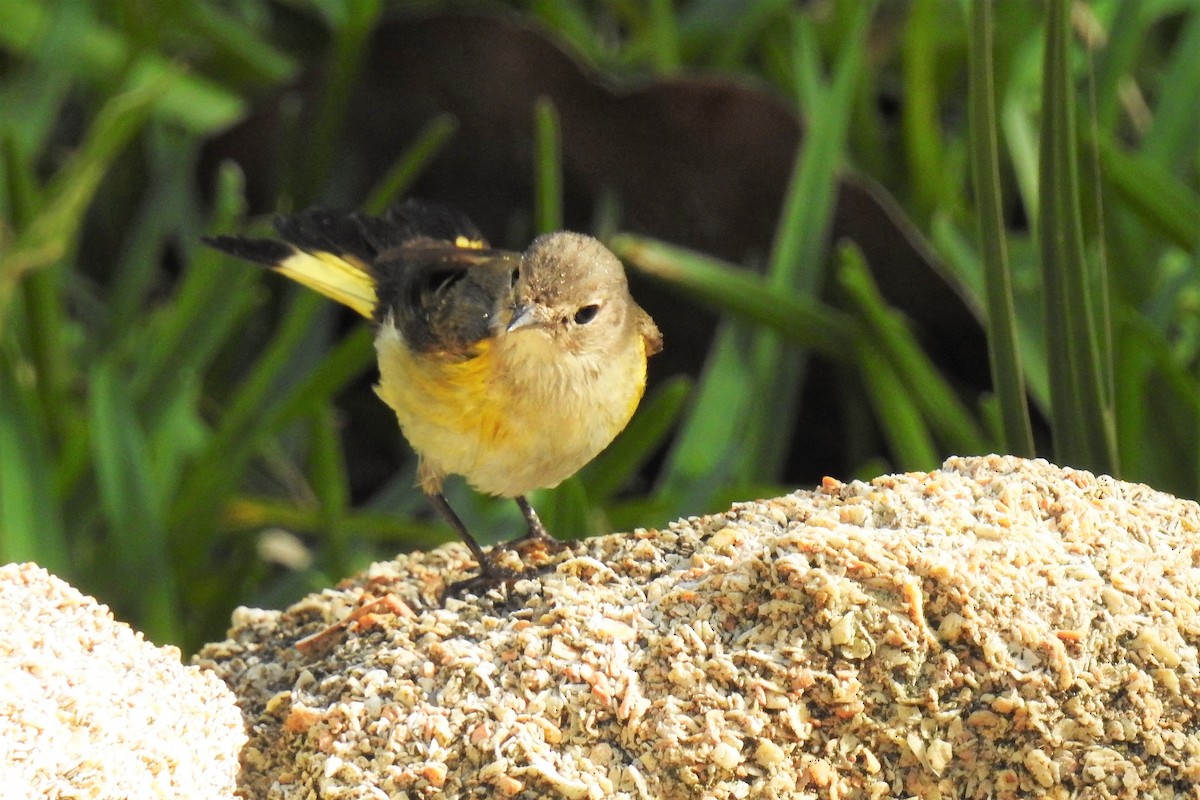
pixel 89 709
pixel 997 629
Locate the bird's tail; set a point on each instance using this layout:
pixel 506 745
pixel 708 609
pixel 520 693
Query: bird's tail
pixel 331 252
pixel 336 272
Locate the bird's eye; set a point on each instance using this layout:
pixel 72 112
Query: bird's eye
pixel 516 274
pixel 586 314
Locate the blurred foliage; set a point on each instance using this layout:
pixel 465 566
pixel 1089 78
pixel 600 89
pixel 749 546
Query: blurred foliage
pixel 171 422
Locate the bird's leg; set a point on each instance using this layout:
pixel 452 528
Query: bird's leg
pixel 537 536
pixel 443 506
pixel 536 529
pixel 490 574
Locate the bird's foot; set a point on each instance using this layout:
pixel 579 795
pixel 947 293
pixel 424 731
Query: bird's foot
pixel 492 575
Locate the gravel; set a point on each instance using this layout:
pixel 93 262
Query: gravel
pixel 999 628
pixel 89 709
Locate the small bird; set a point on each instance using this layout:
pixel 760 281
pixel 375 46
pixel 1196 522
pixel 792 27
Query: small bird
pixel 512 370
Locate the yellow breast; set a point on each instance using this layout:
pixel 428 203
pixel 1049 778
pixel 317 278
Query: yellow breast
pixel 518 415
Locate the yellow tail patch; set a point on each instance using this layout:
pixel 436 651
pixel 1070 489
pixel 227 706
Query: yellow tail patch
pixel 341 278
pixel 468 243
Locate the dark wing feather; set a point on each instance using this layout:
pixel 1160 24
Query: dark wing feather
pixel 420 219
pixel 433 273
pixel 320 230
pixel 444 298
pixel 267 252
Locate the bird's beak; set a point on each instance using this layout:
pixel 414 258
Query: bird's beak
pixel 523 317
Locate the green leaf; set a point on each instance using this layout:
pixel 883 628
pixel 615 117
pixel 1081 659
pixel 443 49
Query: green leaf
pixel 214 296
pixel 260 410
pixel 664 33
pixel 408 167
pixel 1004 354
pixel 1079 340
pixel 797 259
pixel 891 340
pixel 102 56
pixel 331 484
pixel 31 516
pixel 570 20
pixel 1159 403
pixel 243 513
pixel 237 51
pixel 51 232
pixel 547 173
pixel 921 123
pixel 172 163
pixel 909 438
pixel 699 464
pixel 1171 141
pixel 350 40
pixel 1162 200
pixel 739 292
pixel 566 510
pixel 131 503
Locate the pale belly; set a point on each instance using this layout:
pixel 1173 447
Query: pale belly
pixel 509 431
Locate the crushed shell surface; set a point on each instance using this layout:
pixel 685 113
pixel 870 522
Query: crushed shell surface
pixel 999 628
pixel 90 710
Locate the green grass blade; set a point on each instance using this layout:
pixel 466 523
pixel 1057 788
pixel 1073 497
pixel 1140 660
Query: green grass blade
pixel 31 515
pixel 547 172
pixel 1165 203
pixel 1080 365
pixel 48 332
pixel 104 56
pixel 812 189
pixel 570 20
pixel 959 255
pixel 909 438
pixel 331 484
pixel 701 463
pixel 921 125
pixel 891 339
pixel 236 51
pixel 797 258
pixel 131 503
pixel 243 513
pixel 214 295
pixel 50 233
pixel 270 370
pixel 733 37
pixel 739 292
pixel 1117 60
pixel 1003 350
pixel 259 413
pixel 242 426
pixel 806 72
pixel 664 34
pixel 566 510
pixel 1159 402
pixel 405 171
pixel 1020 138
pixel 349 46
pixel 23 195
pixel 1171 140
pixel 172 164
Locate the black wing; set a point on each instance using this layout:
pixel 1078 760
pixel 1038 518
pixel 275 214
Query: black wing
pixel 430 266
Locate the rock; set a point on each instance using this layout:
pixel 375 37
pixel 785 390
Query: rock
pixel 999 628
pixel 89 709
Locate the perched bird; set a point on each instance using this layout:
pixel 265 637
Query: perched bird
pixel 512 370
